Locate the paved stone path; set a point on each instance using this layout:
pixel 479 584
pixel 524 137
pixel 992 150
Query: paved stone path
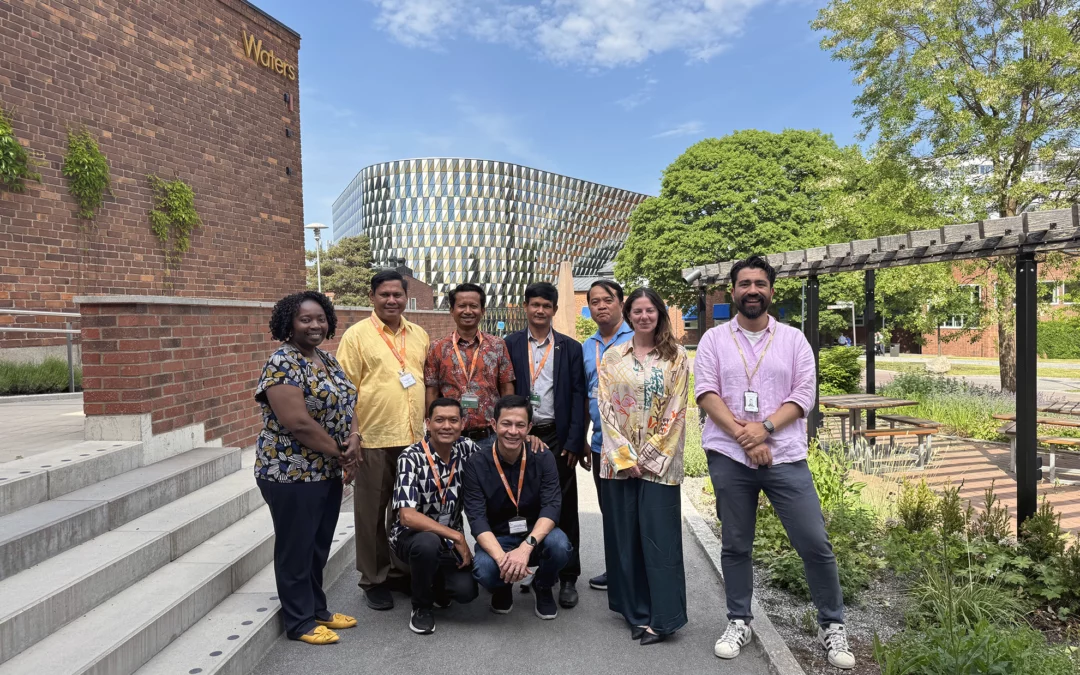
pixel 470 639
pixel 39 426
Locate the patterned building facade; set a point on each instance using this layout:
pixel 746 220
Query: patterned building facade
pixel 497 224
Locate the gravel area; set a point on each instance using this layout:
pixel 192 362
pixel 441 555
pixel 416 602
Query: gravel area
pixel 880 610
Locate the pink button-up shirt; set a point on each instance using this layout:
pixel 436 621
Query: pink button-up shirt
pixel 786 374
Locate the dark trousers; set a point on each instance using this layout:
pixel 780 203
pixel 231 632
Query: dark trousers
pixel 434 570
pixel 568 518
pixel 305 516
pixel 549 557
pixel 790 489
pixel 596 479
pixel 643 548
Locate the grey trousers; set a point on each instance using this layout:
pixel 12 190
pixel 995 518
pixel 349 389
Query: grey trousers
pixel 790 489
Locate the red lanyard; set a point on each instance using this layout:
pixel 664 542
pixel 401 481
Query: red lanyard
pixel 472 362
pixel 521 476
pixel 435 473
pixel 400 355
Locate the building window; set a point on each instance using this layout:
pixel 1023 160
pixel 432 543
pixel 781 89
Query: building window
pixel 1048 292
pixel 960 320
pixel 412 303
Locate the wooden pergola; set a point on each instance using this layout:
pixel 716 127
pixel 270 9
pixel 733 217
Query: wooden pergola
pixel 1020 236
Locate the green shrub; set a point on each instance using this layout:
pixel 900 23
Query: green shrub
pixel 694 462
pixel 585 328
pixel 917 506
pixel 1041 537
pixel 937 599
pixel 841 371
pixel 1059 339
pixel 962 409
pixel 47 377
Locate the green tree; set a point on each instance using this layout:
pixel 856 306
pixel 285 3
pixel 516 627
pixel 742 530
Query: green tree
pixel 585 328
pixel 346 271
pixel 960 81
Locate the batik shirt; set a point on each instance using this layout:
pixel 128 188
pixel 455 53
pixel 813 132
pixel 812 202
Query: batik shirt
pixel 415 486
pixel 444 371
pixel 330 399
pixel 643 409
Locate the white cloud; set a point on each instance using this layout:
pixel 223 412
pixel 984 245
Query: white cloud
pixel 641 96
pixel 685 129
pixel 591 33
pixel 500 131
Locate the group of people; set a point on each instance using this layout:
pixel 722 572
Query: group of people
pixel 474 427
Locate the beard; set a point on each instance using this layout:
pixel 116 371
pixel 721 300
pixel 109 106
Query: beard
pixel 753 311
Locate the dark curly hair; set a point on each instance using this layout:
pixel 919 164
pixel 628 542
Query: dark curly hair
pixel 285 310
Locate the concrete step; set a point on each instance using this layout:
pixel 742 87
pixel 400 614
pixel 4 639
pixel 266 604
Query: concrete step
pixel 235 636
pixel 40 600
pixel 43 530
pixel 123 633
pixel 29 481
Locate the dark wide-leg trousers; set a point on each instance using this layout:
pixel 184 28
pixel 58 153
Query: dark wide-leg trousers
pixel 643 549
pixel 305 516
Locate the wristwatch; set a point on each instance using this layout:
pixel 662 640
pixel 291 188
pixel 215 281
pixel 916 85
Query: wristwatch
pixel 531 541
pixel 768 426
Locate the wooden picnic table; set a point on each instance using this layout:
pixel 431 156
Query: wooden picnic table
pixel 1061 408
pixel 1053 443
pixel 856 403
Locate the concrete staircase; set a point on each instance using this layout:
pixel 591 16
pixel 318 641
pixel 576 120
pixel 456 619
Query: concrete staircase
pixel 111 566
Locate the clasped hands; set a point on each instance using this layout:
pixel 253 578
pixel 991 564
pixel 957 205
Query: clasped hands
pixel 350 457
pixel 751 438
pixel 514 565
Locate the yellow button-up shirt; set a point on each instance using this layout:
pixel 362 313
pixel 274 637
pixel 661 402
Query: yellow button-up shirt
pixel 388 415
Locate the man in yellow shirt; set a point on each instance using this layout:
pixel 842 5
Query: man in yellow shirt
pixel 384 356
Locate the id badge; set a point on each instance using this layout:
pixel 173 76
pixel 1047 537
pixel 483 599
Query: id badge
pixel 750 401
pixel 470 401
pixel 407 380
pixel 518 525
pixel 534 399
pixel 445 519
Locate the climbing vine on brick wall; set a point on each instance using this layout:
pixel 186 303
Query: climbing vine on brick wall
pixel 16 165
pixel 173 217
pixel 87 172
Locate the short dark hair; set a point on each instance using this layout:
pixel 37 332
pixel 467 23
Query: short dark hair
pixel 543 290
pixel 512 402
pixel 468 288
pixel 753 262
pixel 286 309
pixel 388 275
pixel 608 285
pixel 443 402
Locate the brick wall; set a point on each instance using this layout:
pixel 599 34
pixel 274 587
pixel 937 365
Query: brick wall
pixel 165 88
pixel 189 361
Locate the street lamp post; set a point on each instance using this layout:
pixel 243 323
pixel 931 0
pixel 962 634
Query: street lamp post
pixel 316 229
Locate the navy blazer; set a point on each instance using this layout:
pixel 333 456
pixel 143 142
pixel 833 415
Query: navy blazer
pixel 570 390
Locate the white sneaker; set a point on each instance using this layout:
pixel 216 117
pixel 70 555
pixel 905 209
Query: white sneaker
pixel 834 640
pixel 736 637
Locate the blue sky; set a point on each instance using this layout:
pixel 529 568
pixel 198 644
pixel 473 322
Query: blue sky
pixel 606 90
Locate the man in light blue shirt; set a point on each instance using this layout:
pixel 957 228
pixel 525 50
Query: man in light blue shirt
pixel 605 304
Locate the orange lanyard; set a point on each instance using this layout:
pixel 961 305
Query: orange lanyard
pixel 472 362
pixel 399 354
pixel 533 368
pixel 435 473
pixel 521 475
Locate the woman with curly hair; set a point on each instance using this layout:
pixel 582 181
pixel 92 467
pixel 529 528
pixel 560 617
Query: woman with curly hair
pixel 307 442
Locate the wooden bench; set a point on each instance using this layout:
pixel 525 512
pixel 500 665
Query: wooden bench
pixel 924 434
pixel 911 421
pixel 844 418
pixel 1054 445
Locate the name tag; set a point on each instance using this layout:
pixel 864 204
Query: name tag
pixel 518 525
pixel 534 399
pixel 407 380
pixel 750 401
pixel 446 518
pixel 470 401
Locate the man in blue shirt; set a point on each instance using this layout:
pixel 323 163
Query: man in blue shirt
pixel 605 305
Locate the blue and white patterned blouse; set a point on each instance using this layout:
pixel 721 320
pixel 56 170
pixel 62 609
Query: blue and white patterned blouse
pixel 331 401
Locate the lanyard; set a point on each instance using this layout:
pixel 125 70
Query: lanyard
pixel 472 362
pixel 521 475
pixel 399 354
pixel 533 368
pixel 435 473
pixel 746 366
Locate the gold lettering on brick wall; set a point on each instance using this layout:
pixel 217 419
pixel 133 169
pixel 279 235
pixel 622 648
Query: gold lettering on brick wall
pixel 254 50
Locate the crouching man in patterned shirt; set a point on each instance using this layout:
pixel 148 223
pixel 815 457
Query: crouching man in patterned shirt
pixel 427 533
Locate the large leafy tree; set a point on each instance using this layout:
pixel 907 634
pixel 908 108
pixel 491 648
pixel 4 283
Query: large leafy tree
pixel 346 271
pixel 963 81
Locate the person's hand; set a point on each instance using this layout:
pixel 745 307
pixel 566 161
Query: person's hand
pixel 515 564
pixel 751 434
pixel 633 472
pixel 571 457
pixel 347 476
pixel 760 455
pixel 462 547
pixel 536 445
pixel 586 460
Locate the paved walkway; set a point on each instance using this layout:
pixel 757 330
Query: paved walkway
pixel 469 638
pixel 39 426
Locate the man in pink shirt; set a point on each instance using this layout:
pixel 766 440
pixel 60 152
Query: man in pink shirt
pixel 756 380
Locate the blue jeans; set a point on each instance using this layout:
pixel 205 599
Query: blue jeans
pixel 549 557
pixel 486 444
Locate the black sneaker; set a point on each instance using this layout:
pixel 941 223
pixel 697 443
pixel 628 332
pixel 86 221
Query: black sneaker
pixel 502 599
pixel 599 582
pixel 378 597
pixel 568 595
pixel 442 600
pixel 422 621
pixel 545 603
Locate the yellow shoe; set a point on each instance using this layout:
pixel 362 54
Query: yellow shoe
pixel 320 636
pixel 338 622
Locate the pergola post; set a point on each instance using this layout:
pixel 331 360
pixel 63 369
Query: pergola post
pixel 701 314
pixel 810 322
pixel 870 321
pixel 1027 321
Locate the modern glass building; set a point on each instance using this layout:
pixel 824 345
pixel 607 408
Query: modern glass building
pixel 496 224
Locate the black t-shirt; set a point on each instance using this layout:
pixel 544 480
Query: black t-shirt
pixel 488 506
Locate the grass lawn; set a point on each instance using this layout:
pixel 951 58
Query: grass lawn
pixel 972 369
